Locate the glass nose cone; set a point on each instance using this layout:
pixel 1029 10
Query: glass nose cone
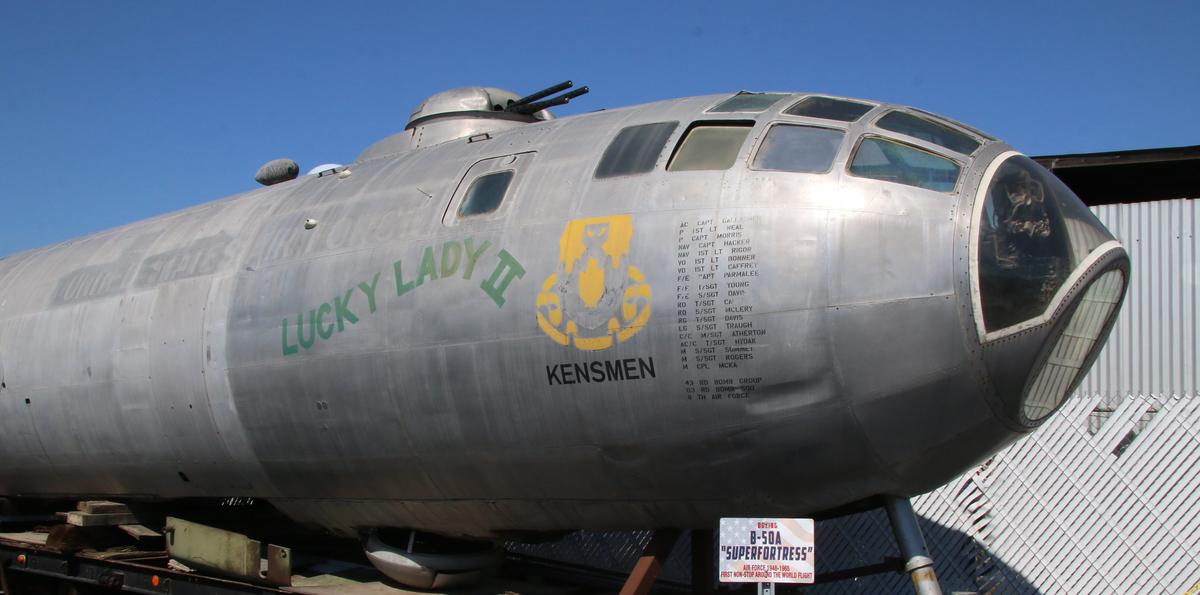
pixel 1034 232
pixel 1078 343
pixel 1049 280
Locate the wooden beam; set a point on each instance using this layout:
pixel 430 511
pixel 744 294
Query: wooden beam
pixel 82 519
pixel 140 532
pixel 101 507
pixel 646 571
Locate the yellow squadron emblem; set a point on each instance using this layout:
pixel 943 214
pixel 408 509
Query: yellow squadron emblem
pixel 595 299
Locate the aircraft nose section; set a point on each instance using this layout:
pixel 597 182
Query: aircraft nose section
pixel 1048 281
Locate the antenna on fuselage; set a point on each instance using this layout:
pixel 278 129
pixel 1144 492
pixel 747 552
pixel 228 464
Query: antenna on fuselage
pixel 529 104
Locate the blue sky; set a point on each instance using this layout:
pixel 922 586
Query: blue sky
pixel 116 111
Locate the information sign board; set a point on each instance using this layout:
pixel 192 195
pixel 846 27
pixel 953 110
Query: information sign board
pixel 766 551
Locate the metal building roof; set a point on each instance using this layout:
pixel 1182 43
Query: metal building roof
pixel 1129 176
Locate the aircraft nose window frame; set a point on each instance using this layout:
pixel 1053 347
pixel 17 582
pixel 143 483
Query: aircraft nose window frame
pixel 1042 239
pixel 1063 368
pixel 635 150
pixel 710 145
pixel 829 108
pixel 798 148
pixel 928 130
pixel 983 136
pixel 900 168
pixel 747 102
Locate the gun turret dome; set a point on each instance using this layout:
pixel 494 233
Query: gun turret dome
pixel 466 111
pixel 470 102
pixel 469 111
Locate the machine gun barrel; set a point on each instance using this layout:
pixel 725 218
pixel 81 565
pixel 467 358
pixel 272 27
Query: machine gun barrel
pixel 539 95
pixel 532 108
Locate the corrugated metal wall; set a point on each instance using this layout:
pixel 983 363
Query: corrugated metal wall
pixel 1062 511
pixel 1153 347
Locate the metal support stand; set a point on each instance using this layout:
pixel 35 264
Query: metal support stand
pixel 917 562
pixel 766 588
pixel 645 572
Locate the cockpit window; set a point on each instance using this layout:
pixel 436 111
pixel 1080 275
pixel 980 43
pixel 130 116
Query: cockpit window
pixel 635 149
pixel 747 102
pixel 485 194
pixel 977 132
pixel 804 149
pixel 709 146
pixel 884 159
pixel 829 108
pixel 918 127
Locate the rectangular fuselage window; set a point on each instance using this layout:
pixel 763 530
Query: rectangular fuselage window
pixel 635 149
pixel 710 146
pixel 802 149
pixel 884 159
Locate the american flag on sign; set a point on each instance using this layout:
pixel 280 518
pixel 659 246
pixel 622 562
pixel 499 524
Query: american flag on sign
pixel 756 550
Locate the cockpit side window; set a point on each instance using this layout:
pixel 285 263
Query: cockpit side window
pixel 828 108
pixel 885 159
pixel 747 102
pixel 635 149
pixel 709 146
pixel 934 132
pixel 802 149
pixel 485 194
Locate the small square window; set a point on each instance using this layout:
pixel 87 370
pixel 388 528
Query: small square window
pixel 635 150
pixel 828 108
pixel 747 102
pixel 485 194
pixel 709 147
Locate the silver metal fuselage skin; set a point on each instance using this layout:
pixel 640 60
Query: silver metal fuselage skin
pixel 387 367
